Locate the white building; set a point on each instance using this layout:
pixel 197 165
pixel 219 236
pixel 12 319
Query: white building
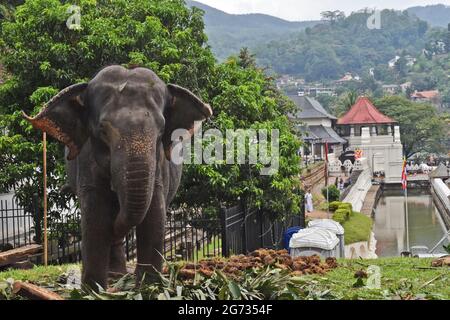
pixel 378 136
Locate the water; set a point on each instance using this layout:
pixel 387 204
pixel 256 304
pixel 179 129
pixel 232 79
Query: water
pixel 425 225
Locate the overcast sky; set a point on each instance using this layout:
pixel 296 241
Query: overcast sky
pixel 298 10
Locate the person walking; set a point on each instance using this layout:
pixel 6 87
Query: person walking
pixel 308 201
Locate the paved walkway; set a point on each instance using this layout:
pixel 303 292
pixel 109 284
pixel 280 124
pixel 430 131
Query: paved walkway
pixel 317 214
pixel 370 200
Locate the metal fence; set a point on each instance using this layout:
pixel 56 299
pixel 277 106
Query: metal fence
pixel 188 236
pixel 245 230
pixel 16 225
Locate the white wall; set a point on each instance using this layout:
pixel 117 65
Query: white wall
pixel 359 190
pixel 317 122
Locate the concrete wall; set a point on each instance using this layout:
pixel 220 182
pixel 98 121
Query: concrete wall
pixel 359 190
pixel 441 194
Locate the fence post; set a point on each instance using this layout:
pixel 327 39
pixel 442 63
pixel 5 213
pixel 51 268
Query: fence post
pixel 244 229
pixel 37 217
pixel 223 224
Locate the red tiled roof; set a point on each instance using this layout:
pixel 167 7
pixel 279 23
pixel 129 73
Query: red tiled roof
pixel 364 112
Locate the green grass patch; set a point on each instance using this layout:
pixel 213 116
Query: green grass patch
pixel 39 274
pixel 357 228
pixel 401 278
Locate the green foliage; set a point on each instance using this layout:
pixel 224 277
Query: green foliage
pixel 334 205
pixel 42 56
pixel 255 284
pixel 447 248
pixel 243 97
pixel 421 127
pixel 333 193
pixel 327 51
pixel 346 205
pixel 341 215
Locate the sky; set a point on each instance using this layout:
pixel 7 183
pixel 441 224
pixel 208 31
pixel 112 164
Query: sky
pixel 300 10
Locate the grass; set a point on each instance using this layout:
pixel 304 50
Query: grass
pixel 39 274
pixel 216 243
pixel 401 278
pixel 357 228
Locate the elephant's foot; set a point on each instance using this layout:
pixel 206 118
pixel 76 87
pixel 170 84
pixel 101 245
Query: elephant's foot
pixel 94 280
pixel 117 259
pixel 146 274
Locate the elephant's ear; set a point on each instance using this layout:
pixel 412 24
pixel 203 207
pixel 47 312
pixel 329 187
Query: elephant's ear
pixel 183 111
pixel 62 118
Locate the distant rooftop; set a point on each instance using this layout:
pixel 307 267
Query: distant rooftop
pixel 364 112
pixel 309 108
pixel 430 94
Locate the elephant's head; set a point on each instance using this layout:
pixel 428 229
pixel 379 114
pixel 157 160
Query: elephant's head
pixel 129 116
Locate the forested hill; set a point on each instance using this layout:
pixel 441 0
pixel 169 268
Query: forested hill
pixel 228 33
pixel 436 15
pixel 327 51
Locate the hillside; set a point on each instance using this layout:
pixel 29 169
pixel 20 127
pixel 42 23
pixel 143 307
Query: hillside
pixel 228 33
pixel 436 15
pixel 327 51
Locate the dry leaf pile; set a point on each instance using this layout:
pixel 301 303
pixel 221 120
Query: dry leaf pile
pixel 235 265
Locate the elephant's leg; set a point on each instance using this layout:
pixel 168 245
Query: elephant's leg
pixel 150 238
pixel 117 260
pixel 97 230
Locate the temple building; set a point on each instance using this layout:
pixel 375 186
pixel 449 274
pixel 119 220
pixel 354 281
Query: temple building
pixel 378 136
pixel 317 128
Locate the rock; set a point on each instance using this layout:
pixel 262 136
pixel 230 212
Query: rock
pixel 441 262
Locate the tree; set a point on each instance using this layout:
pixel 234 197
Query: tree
pixel 243 97
pixel 421 128
pixel 401 66
pixel 345 102
pixel 42 56
pixel 246 59
pixel 332 16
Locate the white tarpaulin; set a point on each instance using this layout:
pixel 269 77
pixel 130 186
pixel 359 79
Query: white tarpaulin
pixel 314 238
pixel 327 224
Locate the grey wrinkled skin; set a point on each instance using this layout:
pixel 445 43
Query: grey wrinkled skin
pixel 117 131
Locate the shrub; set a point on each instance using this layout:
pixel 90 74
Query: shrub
pixel 346 205
pixel 334 205
pixel 341 215
pixel 333 193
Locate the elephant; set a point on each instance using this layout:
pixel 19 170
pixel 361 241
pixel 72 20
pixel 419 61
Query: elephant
pixel 117 131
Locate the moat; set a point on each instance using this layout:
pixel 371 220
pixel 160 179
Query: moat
pixel 426 227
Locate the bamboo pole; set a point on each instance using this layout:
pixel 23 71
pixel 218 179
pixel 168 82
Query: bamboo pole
pixel 44 144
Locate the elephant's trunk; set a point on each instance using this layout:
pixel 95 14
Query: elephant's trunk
pixel 136 196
